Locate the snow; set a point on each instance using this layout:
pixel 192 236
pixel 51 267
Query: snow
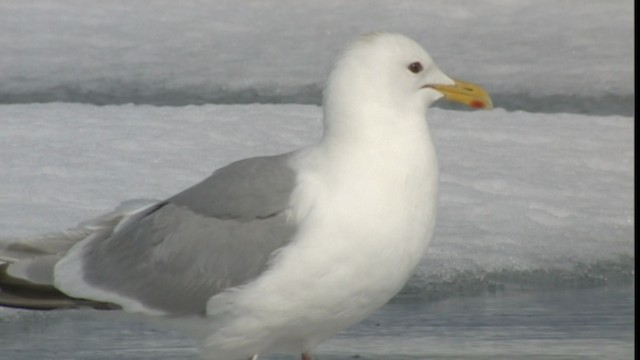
pixel 539 190
pixel 50 152
pixel 521 193
pixel 535 55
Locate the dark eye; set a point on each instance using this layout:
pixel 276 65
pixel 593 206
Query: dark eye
pixel 415 67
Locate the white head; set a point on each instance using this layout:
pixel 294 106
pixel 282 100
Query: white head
pixel 388 72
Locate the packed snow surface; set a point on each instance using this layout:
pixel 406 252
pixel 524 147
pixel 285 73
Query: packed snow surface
pixel 525 198
pixel 536 55
pixel 538 191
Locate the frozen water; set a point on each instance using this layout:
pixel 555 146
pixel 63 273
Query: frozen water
pixel 536 55
pixel 536 194
pixel 523 195
pixel 586 324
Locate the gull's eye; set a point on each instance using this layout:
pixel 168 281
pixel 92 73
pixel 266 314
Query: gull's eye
pixel 415 67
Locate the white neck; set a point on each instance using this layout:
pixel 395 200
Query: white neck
pixel 387 166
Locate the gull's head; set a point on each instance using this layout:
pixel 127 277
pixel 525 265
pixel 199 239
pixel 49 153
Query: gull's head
pixel 387 70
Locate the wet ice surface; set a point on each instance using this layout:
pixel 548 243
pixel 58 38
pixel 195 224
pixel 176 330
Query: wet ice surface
pixel 564 324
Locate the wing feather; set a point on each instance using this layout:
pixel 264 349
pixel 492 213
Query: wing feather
pixel 174 256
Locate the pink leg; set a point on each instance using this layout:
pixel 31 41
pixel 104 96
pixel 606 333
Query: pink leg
pixel 306 356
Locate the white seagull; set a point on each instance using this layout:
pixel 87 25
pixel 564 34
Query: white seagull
pixel 274 253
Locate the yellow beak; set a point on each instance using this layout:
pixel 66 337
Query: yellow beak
pixel 466 93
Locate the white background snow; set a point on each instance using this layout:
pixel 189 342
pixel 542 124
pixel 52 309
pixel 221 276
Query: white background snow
pixel 543 182
pixel 538 55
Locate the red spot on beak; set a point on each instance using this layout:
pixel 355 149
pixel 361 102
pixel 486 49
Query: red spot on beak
pixel 477 104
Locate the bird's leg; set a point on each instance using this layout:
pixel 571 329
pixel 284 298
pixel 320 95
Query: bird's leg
pixel 306 356
pixel 254 357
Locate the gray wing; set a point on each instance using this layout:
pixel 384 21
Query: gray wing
pixel 217 234
pixel 254 188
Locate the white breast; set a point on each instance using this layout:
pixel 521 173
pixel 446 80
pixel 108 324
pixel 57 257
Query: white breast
pixel 365 215
pixel 364 226
pixel 370 217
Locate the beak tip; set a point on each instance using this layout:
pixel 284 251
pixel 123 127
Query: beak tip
pixel 477 104
pixel 469 94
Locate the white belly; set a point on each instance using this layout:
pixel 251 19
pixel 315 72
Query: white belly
pixel 358 243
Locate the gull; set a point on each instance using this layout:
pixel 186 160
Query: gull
pixel 272 253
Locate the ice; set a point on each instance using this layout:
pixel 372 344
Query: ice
pixel 524 198
pixel 50 152
pixel 539 190
pixel 537 193
pixel 536 55
pixel 530 198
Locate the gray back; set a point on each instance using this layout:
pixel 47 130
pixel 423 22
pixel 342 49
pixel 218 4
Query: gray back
pixel 215 235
